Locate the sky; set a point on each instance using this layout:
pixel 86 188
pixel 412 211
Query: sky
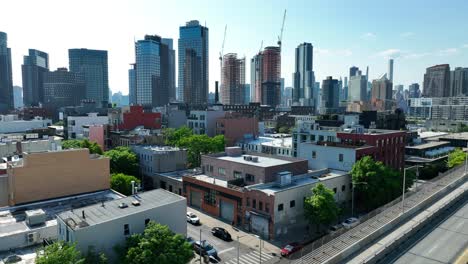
pixel 416 33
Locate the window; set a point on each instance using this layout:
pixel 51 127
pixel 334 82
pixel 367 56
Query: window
pixel 162 185
pixel 237 174
pixel 180 191
pixel 312 138
pixel 267 207
pixel 147 221
pixel 222 171
pixel 280 207
pixel 292 203
pixel 343 188
pixel 248 202
pixel 260 206
pixel 249 177
pixel 254 204
pixel 320 138
pixel 334 190
pixel 202 117
pixel 314 154
pixel 210 197
pixel 126 230
pixel 340 157
pixel 170 188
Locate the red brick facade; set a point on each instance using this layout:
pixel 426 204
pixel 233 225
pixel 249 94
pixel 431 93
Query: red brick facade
pixel 235 127
pixel 136 117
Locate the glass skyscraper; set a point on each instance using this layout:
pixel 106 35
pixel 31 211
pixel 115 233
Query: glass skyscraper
pixel 193 63
pixel 304 77
pixel 33 68
pixel 6 79
pixel 92 64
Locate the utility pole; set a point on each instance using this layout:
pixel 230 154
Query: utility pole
pixel 201 245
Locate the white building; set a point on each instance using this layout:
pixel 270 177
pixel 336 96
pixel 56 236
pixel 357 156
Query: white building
pixel 105 225
pixel 204 121
pixel 269 145
pixel 13 147
pixel 74 124
pixel 11 124
pixel 160 159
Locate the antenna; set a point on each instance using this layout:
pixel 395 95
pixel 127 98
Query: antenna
pixel 280 37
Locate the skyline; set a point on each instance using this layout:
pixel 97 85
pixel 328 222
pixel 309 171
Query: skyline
pixel 343 35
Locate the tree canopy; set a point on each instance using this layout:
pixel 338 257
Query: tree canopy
pixel 61 253
pixel 122 183
pixel 93 147
pixel 123 160
pixel 321 208
pixel 159 243
pixel 456 157
pixel 383 184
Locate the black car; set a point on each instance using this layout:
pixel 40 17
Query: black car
pixel 221 233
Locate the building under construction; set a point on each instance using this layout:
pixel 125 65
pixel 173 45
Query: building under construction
pixel 266 76
pixel 232 79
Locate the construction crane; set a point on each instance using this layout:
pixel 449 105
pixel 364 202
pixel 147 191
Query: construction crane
pixel 261 46
pixel 222 49
pixel 280 37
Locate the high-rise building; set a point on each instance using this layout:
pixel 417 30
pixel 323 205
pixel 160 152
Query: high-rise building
pixel 330 96
pixel 33 68
pixel 345 89
pixel 132 85
pixel 247 93
pixel 18 96
pixel 92 65
pixel 63 88
pixel 399 88
pixel 353 71
pixel 304 77
pixel 232 79
pixel 390 70
pixel 271 76
pixel 459 82
pixel 382 94
pixel 357 90
pixel 287 96
pixel 193 63
pixel 414 91
pixel 256 68
pixel 6 79
pixel 437 81
pixel 171 67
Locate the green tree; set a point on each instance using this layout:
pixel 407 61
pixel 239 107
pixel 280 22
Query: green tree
pixel 197 145
pixel 321 208
pixel 71 144
pixel 123 183
pixel 123 160
pixel 94 257
pixel 173 136
pixel 159 243
pixel 456 158
pixel 93 147
pixel 283 130
pixel 60 253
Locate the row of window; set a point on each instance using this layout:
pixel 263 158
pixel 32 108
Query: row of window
pixel 340 156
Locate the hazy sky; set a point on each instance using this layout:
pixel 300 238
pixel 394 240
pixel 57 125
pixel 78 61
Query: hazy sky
pixel 417 33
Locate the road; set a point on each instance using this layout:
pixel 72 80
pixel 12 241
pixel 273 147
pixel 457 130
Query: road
pixel 227 251
pixel 441 242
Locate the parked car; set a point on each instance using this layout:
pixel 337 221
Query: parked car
pixel 193 218
pixel 205 248
pixel 290 249
pixel 335 228
pixel 351 222
pixel 221 233
pixel 12 259
pixel 191 241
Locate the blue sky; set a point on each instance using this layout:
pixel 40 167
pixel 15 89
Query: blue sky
pixel 416 33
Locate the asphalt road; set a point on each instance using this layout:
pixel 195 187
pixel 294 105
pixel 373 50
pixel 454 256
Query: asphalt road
pixel 441 242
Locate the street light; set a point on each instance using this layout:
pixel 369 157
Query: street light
pixel 260 246
pixel 352 195
pixel 466 159
pixel 404 185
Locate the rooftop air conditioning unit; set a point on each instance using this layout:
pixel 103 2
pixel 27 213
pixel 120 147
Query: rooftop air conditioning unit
pixel 254 159
pixel 123 205
pixel 32 238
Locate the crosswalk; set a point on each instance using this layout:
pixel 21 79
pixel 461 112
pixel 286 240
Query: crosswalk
pixel 251 258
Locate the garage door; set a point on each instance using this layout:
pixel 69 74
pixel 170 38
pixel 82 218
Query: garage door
pixel 195 199
pixel 227 211
pixel 259 225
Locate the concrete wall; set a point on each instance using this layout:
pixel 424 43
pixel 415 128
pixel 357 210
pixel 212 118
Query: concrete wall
pixel 23 125
pixel 19 239
pixel 3 190
pixel 327 157
pixel 176 185
pixel 152 161
pixel 77 128
pixel 104 236
pixel 55 174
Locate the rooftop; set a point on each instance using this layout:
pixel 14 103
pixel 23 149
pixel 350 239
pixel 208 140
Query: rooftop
pixel 100 213
pixel 338 145
pixel 177 175
pixel 430 144
pixel 431 134
pixel 269 141
pixel 461 136
pixel 211 180
pixel 262 161
pixel 157 148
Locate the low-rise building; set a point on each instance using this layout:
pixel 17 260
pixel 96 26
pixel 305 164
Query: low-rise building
pixel 12 124
pixel 235 127
pixel 160 159
pixel 74 124
pixel 136 117
pixel 11 146
pixel 53 174
pixel 204 121
pixel 269 144
pixel 171 181
pixel 103 226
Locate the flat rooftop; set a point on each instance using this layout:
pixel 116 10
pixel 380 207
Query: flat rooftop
pixel 211 180
pixel 263 162
pixel 430 144
pixel 177 175
pixel 461 136
pixel 431 134
pixel 12 219
pixel 285 142
pixel 297 181
pixel 338 145
pixel 157 148
pixel 100 213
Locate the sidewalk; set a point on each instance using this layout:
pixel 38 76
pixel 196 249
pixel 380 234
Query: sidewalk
pixel 245 238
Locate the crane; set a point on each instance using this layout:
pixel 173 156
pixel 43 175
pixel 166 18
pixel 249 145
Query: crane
pixel 261 46
pixel 222 48
pixel 280 37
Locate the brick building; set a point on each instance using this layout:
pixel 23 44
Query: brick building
pixel 137 117
pixel 235 127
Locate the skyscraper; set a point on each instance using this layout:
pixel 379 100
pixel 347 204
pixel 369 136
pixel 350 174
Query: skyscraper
pixel 304 77
pixel 171 67
pixel 345 89
pixel 6 79
pixel 193 63
pixel 382 94
pixel 459 82
pixel 256 69
pixel 132 84
pixel 63 88
pixel 152 72
pixel 414 91
pixel 232 79
pixel 357 90
pixel 18 96
pixel 330 96
pixel 390 70
pixel 271 76
pixel 353 71
pixel 33 68
pixel 437 81
pixel 92 65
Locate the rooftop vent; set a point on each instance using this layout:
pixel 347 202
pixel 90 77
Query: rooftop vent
pixel 123 205
pixel 247 158
pixel 135 203
pixel 254 159
pixel 283 178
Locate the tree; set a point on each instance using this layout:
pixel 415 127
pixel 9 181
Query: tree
pixel 173 136
pixel 93 147
pixel 123 160
pixel 321 208
pixel 200 144
pixel 123 183
pixel 59 253
pixel 383 184
pixel 456 158
pixel 283 130
pixel 159 243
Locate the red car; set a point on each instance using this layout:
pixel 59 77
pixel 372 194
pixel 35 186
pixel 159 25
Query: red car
pixel 290 249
